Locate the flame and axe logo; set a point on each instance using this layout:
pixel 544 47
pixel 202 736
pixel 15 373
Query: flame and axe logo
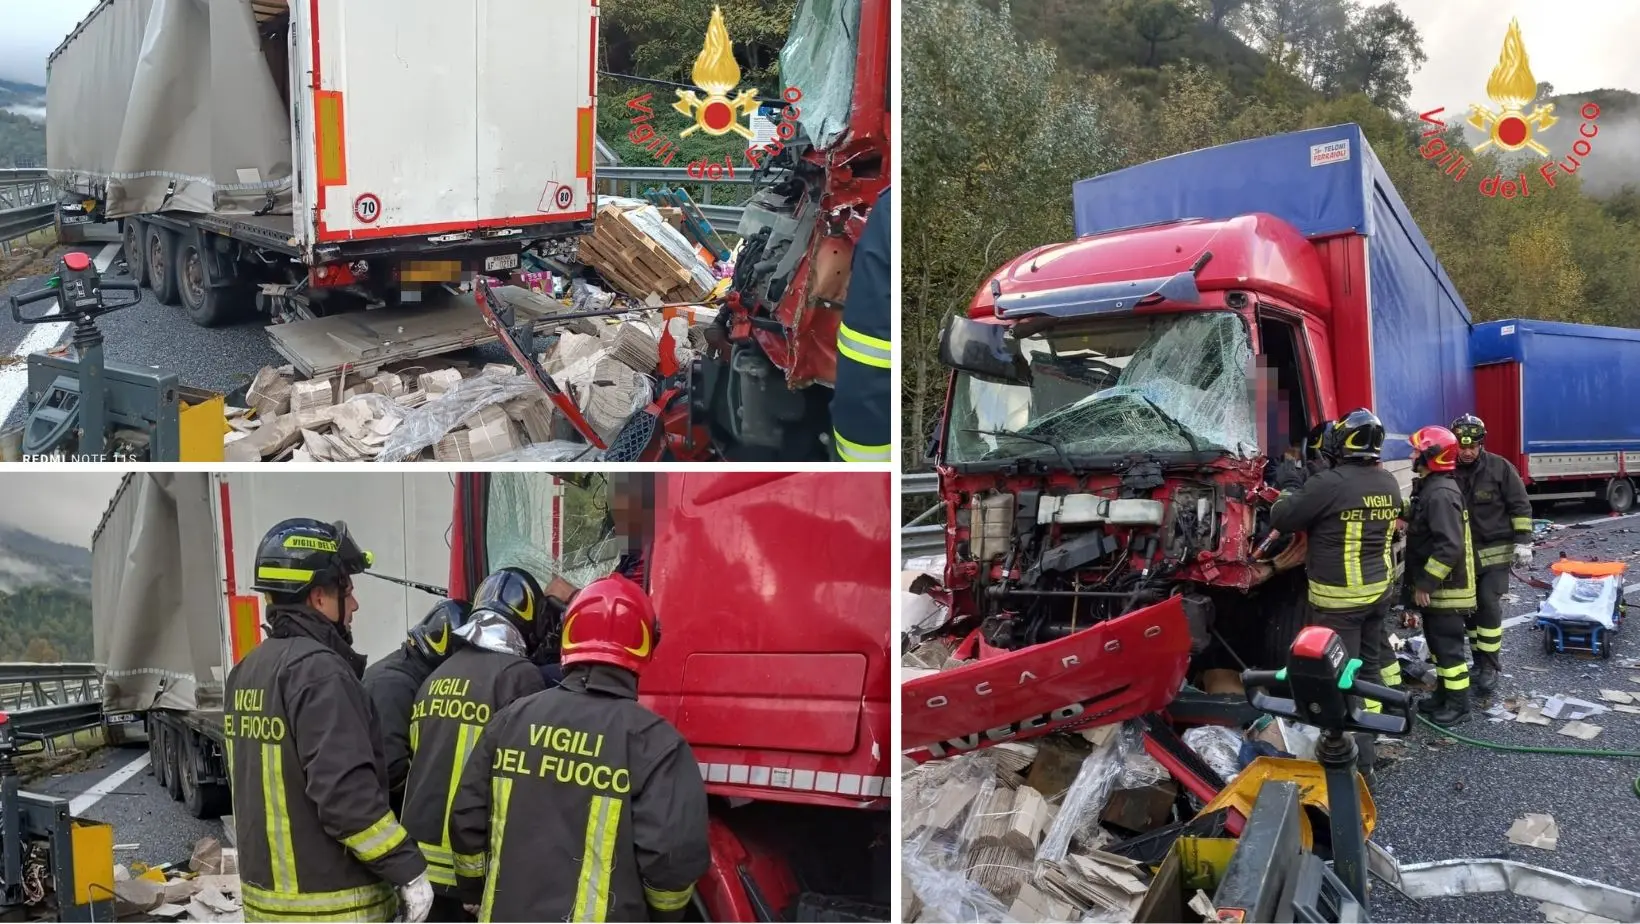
pixel 717 74
pixel 1511 87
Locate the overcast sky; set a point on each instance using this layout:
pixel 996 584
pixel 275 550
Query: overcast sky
pixel 62 506
pixel 1574 44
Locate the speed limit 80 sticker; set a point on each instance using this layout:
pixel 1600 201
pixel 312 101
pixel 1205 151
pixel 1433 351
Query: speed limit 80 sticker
pixel 367 208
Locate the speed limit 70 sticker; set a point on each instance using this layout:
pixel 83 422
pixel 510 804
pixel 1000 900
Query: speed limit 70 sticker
pixel 367 208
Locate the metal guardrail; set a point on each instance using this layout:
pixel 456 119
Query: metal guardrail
pixel 919 540
pixel 23 186
pixel 43 701
pixel 636 179
pixel 21 222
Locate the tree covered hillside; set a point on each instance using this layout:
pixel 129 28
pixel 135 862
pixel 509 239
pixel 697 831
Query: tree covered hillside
pixel 45 624
pixel 1005 106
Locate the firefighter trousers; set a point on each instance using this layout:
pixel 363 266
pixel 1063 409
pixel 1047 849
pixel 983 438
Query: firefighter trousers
pixel 1364 635
pixel 447 909
pixel 1485 625
pixel 1444 631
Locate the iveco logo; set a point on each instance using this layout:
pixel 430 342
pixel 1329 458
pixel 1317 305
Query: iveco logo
pixel 984 687
pixel 1002 733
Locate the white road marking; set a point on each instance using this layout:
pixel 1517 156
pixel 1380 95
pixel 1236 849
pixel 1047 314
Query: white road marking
pixel 14 374
pixel 84 801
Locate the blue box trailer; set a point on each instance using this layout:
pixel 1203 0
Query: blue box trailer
pixel 1390 294
pixel 1554 398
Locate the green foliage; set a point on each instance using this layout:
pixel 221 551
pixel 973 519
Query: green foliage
pixel 999 122
pixel 22 141
pixel 45 624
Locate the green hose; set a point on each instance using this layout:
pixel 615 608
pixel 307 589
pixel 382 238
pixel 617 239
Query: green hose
pixel 1523 749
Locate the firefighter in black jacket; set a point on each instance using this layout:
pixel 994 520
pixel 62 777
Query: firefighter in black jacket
pixel 860 405
pixel 393 682
pixel 490 669
pixel 1348 512
pixel 1440 575
pixel 580 804
pixel 304 749
pixel 1500 515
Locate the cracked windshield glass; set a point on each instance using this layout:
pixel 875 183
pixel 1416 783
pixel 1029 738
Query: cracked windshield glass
pixel 1167 383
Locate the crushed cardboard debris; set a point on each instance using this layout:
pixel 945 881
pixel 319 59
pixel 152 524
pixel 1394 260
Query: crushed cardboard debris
pixel 1534 830
pixel 1580 730
pixel 1560 914
pixel 1617 696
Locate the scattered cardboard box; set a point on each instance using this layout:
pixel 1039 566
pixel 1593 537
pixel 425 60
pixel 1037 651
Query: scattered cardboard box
pixel 1534 830
pixel 1580 730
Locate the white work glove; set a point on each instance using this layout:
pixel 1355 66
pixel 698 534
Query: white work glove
pixel 1523 555
pixel 416 900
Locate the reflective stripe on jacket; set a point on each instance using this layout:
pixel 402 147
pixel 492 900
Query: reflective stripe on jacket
pixel 1500 512
pixel 452 708
pixel 309 779
pixel 1440 552
pixel 861 397
pixel 581 805
pixel 1349 513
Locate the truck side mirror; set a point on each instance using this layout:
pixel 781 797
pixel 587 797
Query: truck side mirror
pixel 931 447
pixel 984 350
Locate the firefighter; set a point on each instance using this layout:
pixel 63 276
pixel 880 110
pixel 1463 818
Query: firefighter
pixel 865 363
pixel 393 681
pixel 304 749
pixel 491 668
pixel 580 804
pixel 1440 575
pixel 1315 449
pixel 1348 512
pixel 1500 516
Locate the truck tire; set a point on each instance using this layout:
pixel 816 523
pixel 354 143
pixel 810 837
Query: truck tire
pixel 173 764
pixel 1620 495
pixel 132 234
pixel 207 306
pixel 203 800
pixel 161 255
pixel 156 752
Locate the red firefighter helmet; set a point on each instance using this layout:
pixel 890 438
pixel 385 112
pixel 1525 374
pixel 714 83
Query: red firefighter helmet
pixel 611 621
pixel 1437 449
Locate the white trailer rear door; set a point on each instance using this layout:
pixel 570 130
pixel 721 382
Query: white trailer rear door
pixel 428 117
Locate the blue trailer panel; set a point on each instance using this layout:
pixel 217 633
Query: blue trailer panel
pixel 1324 182
pixel 1575 382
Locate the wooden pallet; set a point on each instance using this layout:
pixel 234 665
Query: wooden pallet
pixel 634 263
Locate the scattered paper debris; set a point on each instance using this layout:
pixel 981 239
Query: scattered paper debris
pixel 1533 669
pixel 1532 714
pixel 1581 730
pixel 1631 710
pixel 1616 696
pixel 1533 830
pixel 1560 914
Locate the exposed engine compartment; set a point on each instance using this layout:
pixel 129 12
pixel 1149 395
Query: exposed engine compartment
pixel 1040 561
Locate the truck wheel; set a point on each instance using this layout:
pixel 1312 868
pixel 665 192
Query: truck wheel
pixel 206 306
pixel 173 764
pixel 156 751
pixel 1620 495
pixel 203 800
pixel 132 236
pixel 161 253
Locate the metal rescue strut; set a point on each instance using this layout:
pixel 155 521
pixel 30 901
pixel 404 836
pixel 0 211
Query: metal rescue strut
pixel 519 340
pixel 433 589
pixel 1269 877
pixel 77 402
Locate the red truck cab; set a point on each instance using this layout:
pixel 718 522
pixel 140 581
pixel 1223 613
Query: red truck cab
pixel 773 664
pixel 1118 403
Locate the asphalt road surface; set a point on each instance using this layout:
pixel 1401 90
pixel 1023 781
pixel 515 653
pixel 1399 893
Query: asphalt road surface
pixel 1454 800
pixel 148 825
pixel 147 334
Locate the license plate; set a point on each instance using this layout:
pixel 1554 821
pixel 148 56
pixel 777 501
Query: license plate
pixel 76 219
pixel 120 718
pixel 503 262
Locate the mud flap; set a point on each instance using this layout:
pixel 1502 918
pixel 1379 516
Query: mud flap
pixel 1110 672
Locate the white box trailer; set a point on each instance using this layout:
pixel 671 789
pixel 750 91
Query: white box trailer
pixel 306 156
pixel 173 609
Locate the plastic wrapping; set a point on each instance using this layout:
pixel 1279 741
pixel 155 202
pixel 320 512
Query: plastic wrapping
pixel 818 60
pixel 585 296
pixel 948 895
pixel 1584 598
pixel 553 451
pixel 423 426
pixel 1119 763
pixel 1192 377
pixel 1219 746
pixel 648 220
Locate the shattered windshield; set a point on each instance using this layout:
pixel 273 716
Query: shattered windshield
pixel 551 526
pixel 819 61
pixel 1156 383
